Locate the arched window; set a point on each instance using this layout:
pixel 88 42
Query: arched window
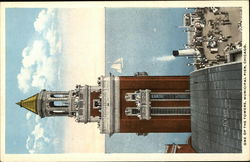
pixel 58 95
pixel 58 113
pixel 59 104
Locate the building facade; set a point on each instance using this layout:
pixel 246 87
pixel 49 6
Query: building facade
pixel 126 104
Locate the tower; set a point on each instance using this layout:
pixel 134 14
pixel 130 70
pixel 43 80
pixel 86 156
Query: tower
pixel 126 104
pixel 73 103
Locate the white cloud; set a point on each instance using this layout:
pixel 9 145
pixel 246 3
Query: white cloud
pixel 37 141
pixel 38 133
pixel 165 58
pixel 51 35
pixel 37 118
pixel 23 79
pixel 46 73
pixel 29 144
pixel 43 19
pixel 39 65
pixel 36 67
pixel 28 115
pixel 35 145
pixel 46 25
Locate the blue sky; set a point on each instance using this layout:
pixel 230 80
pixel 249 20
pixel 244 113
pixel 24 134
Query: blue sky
pixel 29 50
pixel 14 46
pixel 145 39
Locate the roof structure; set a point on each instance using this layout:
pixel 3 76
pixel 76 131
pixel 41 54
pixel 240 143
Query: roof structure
pixel 29 103
pixel 216 119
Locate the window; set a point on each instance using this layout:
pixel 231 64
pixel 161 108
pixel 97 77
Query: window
pixel 59 104
pixel 160 111
pixel 58 112
pixel 135 111
pixel 161 96
pixel 133 96
pixel 169 96
pixel 96 103
pixel 58 95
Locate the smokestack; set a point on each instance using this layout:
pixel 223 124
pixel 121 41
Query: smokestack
pixel 175 53
pixel 186 52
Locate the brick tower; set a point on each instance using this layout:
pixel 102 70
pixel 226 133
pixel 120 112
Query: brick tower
pixel 126 104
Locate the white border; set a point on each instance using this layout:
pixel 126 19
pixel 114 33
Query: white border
pixel 116 157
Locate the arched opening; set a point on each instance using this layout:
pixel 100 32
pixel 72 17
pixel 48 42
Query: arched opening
pixel 58 104
pixel 58 113
pixel 59 95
